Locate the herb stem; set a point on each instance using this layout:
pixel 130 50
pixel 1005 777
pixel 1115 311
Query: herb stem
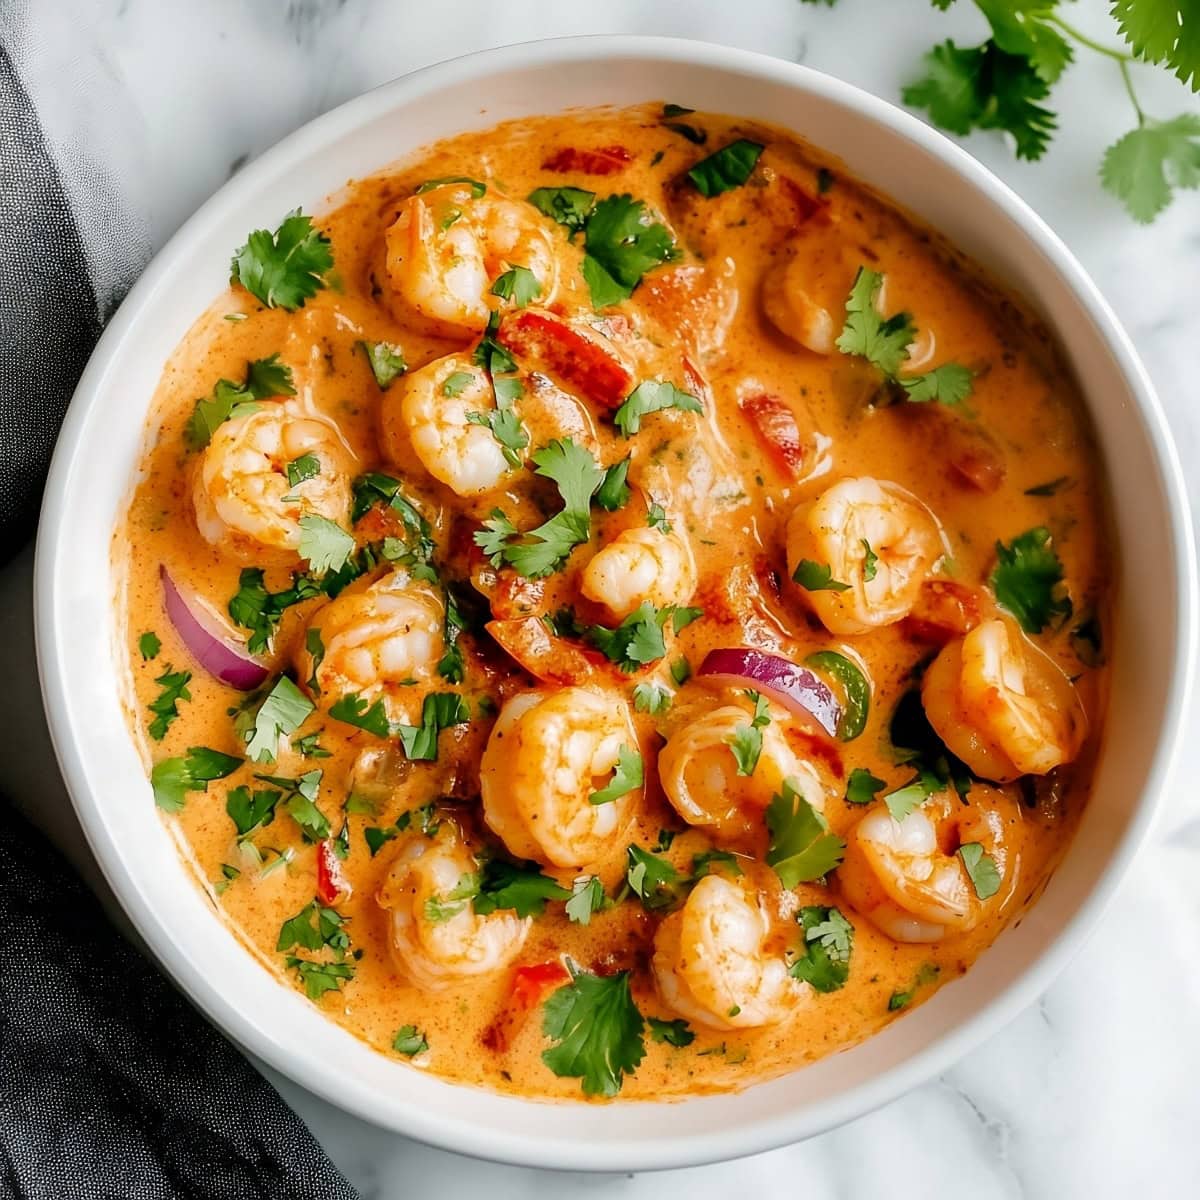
pixel 1120 56
pixel 1137 108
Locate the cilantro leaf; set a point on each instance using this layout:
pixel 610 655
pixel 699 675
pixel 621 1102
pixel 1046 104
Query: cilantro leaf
pixel 627 775
pixel 149 646
pixel 255 608
pixel 651 698
pixel 409 1041
pixel 597 1029
pixel 984 87
pixel 828 942
pixel 439 711
pixel 883 342
pixel 568 206
pixel 320 977
pixel 652 879
pixel 1163 31
pixel 286 268
pixel 518 284
pixel 172 778
pixel 981 869
pixel 313 928
pixel 1143 167
pixel 478 190
pixel 282 711
pixel 862 786
pixel 622 242
pixel 250 810
pixel 746 740
pixel 614 492
pixel 726 168
pixel 1027 579
pixel 386 362
pixel 265 377
pixel 651 396
pixel 165 706
pixel 1020 27
pixel 704 862
pixel 438 909
pixel 639 639
pixel 948 384
pixel 522 888
pixel 677 1033
pixel 817 577
pixel 801 847
pixel 587 897
pixel 912 795
pixel 299 470
pixel 324 543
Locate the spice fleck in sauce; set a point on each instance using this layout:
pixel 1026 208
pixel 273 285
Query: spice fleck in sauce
pixel 482 792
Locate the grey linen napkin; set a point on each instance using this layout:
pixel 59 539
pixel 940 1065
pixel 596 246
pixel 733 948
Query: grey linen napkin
pixel 113 1086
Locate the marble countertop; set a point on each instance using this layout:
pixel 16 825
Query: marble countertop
pixel 1092 1092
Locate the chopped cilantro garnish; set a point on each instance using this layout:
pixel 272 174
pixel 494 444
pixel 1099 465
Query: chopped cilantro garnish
pixel 801 847
pixel 627 775
pixel 727 168
pixel 324 543
pixel 409 1041
pixel 522 888
pixel 651 698
pixel 351 709
pixel 299 470
pixel 386 361
pixel 651 396
pixel 439 909
pixel 639 639
pixel 913 794
pixel 927 974
pixel 597 1031
pixel 824 962
pixel 614 492
pixel 652 879
pixel 981 869
pixel 705 862
pixel 149 646
pixel 165 706
pixel 286 268
pixel 587 898
pixel 862 786
pixel 948 384
pixel 677 1033
pixel 568 206
pixel 255 608
pixel 319 977
pixel 656 518
pixel 282 711
pixel 817 577
pixel 251 810
pixel 746 740
pixel 623 242
pixel 1027 580
pixel 172 778
pixel 518 284
pixel 265 377
pixel 439 711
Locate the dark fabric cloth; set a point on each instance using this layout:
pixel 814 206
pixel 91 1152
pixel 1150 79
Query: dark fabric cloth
pixel 110 1085
pixel 48 312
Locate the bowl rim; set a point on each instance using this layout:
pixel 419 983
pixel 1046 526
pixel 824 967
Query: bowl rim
pixel 667 1151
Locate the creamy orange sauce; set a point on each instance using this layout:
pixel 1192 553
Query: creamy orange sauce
pixel 700 322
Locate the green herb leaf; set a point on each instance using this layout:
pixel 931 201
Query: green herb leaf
pixel 597 1029
pixel 746 740
pixel 1162 31
pixel 652 879
pixel 817 577
pixel 801 847
pixel 265 377
pixel 165 706
pixel 627 776
pixel 981 869
pixel 568 206
pixel 172 778
pixel 704 862
pixel 149 646
pixel 518 284
pixel 286 268
pixel 639 639
pixel 623 242
pixel 948 384
pixel 439 711
pixel 862 786
pixel 324 543
pixel 522 888
pixel 651 396
pixel 1027 580
pixel 386 362
pixel 320 977
pixel 726 168
pixel 1143 168
pixel 283 710
pixel 651 698
pixel 408 1041
pixel 587 897
pixel 299 470
pixel 828 942
pixel 677 1033
pixel 351 709
pixel 883 342
pixel 250 810
pixel 613 492
pixel 913 794
pixel 260 611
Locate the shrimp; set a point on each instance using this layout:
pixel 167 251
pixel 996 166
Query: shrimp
pixel 431 410
pixel 641 564
pixel 375 643
pixel 436 938
pixel 711 965
pixel 1002 705
pixel 878 542
pixel 701 778
pixel 549 752
pixel 243 498
pixel 447 247
pixel 908 878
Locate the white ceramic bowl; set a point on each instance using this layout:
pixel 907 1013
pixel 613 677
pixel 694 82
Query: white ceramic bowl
pixel 95 465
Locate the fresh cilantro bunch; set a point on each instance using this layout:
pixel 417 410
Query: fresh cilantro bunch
pixel 1004 82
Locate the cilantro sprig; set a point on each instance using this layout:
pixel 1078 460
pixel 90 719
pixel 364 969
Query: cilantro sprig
pixel 1028 580
pixel 801 847
pixel 285 268
pixel 824 959
pixel 172 778
pixel 265 377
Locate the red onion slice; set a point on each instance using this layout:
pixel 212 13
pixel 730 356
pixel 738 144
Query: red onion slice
pixel 217 652
pixel 795 687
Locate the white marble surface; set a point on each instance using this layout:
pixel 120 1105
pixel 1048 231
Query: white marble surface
pixel 1092 1093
